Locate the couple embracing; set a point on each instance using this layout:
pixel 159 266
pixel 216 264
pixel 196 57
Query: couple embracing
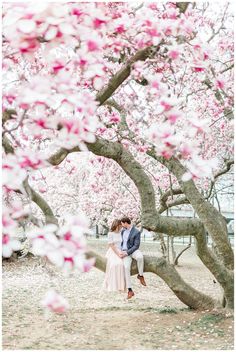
pixel 124 242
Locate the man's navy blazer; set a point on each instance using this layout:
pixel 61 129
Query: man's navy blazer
pixel 133 241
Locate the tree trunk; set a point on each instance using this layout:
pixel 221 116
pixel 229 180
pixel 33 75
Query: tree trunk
pixel 212 219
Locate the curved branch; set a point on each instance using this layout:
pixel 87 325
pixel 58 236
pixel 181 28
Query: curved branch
pixel 169 192
pixel 224 276
pixel 60 155
pixel 151 220
pixel 164 206
pixel 164 197
pixel 124 72
pixel 182 6
pixel 133 169
pixel 33 195
pixel 8 114
pixel 159 266
pixel 227 68
pixel 7 145
pixel 180 253
pixel 228 163
pixel 41 203
pixel 213 221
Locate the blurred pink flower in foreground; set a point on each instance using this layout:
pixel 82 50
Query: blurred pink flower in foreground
pixel 198 168
pixel 54 302
pixel 10 242
pixel 9 245
pixel 64 247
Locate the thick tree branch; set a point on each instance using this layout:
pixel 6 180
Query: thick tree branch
pixel 124 72
pixel 164 206
pixel 223 275
pixel 7 145
pixel 41 203
pixel 183 6
pixel 164 198
pixel 213 221
pixel 159 266
pixel 8 114
pixel 60 155
pixel 33 195
pixel 150 218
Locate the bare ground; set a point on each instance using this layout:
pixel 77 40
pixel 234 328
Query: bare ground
pixel 153 319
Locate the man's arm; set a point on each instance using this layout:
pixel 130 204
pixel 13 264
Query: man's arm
pixel 136 244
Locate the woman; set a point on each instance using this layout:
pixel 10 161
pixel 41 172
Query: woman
pixel 115 273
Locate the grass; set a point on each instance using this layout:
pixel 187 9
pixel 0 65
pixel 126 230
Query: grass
pixel 209 320
pixel 168 310
pixel 208 323
pixel 164 310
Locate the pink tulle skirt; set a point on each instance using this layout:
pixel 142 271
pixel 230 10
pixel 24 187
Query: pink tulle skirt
pixel 115 272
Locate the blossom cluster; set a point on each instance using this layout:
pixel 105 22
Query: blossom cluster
pixel 10 217
pixel 16 167
pixel 64 247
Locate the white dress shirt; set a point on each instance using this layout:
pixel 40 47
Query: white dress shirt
pixel 125 239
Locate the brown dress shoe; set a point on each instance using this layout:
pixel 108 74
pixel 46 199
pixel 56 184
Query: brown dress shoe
pixel 141 279
pixel 130 294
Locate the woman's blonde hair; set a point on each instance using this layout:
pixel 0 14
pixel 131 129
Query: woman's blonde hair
pixel 115 224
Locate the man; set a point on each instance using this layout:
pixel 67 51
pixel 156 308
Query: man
pixel 130 249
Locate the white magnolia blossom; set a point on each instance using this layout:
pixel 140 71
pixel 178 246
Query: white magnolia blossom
pixel 198 168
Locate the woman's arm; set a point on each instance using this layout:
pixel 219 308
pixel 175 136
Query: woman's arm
pixel 114 248
pixel 111 244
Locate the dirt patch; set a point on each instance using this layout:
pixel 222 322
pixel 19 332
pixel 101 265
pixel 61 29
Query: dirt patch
pixel 154 319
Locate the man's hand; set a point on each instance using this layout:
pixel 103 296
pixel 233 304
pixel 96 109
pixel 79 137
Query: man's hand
pixel 123 254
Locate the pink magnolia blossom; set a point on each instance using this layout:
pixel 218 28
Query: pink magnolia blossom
pixel 44 240
pixel 219 83
pixel 198 168
pixel 13 174
pixel 64 247
pixel 174 53
pixel 114 118
pixel 88 265
pixel 199 126
pixel 173 115
pixel 188 148
pixel 198 67
pixel 169 102
pixel 54 302
pixel 10 243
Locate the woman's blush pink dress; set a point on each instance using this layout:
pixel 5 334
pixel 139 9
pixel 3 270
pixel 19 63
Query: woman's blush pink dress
pixel 115 272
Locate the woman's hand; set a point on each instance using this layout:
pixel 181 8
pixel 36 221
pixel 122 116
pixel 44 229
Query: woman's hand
pixel 118 252
pixel 123 254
